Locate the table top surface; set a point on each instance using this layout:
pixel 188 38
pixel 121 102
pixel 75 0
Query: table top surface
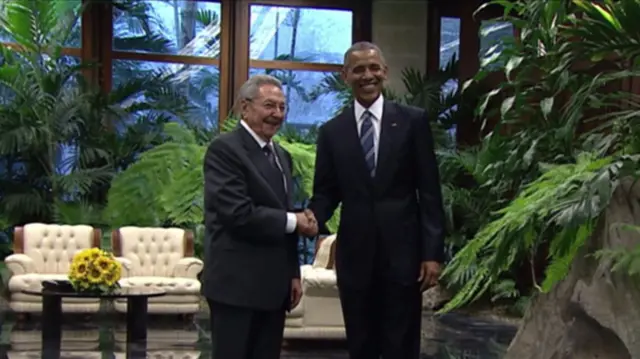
pixel 127 292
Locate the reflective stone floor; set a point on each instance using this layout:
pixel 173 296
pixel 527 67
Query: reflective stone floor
pixel 450 336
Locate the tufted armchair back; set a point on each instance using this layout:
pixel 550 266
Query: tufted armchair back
pixel 152 251
pixel 325 252
pixel 51 247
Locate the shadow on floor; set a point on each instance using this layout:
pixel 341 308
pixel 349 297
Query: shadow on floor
pixel 103 337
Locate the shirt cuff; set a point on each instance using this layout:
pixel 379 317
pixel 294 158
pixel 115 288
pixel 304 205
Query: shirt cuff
pixel 292 222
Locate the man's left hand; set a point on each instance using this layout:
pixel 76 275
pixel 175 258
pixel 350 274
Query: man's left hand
pixel 429 274
pixel 296 292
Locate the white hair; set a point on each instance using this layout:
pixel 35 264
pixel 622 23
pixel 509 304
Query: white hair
pixel 249 90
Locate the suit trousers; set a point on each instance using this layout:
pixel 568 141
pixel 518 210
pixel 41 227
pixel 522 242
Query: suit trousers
pixel 382 320
pixel 245 333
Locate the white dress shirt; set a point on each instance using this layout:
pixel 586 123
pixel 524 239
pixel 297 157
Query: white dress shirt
pixel 292 220
pixel 376 120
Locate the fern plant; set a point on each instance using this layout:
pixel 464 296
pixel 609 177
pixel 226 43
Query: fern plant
pixel 164 186
pixel 562 203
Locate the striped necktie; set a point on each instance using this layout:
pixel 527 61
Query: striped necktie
pixel 367 142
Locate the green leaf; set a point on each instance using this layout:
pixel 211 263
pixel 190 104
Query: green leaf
pixel 507 104
pixel 485 101
pixel 546 106
pixel 599 56
pixel 511 65
pixel 467 84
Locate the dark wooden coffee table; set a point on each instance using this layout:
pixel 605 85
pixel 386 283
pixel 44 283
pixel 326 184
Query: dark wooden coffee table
pixel 137 314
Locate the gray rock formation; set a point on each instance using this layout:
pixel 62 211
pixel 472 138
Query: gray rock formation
pixel 435 298
pixel 593 312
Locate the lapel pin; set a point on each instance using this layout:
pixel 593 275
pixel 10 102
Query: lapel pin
pixel 393 124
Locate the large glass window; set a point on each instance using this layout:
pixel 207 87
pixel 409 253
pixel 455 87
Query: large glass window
pixel 449 39
pixel 301 47
pixel 179 40
pixel 178 27
pixel 157 61
pixel 449 51
pixel 304 108
pixel 299 34
pixel 199 84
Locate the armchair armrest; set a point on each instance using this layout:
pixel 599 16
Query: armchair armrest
pixel 188 267
pixel 20 264
pixel 320 278
pixel 304 269
pixel 126 266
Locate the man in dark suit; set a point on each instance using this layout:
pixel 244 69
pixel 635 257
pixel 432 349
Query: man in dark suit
pixel 377 159
pixel 251 275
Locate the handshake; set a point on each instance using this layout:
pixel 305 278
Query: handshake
pixel 307 223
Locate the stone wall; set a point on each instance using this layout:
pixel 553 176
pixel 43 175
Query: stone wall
pixel 400 29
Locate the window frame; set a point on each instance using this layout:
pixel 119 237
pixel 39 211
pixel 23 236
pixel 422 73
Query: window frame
pixel 361 31
pixel 97 44
pixel 467 133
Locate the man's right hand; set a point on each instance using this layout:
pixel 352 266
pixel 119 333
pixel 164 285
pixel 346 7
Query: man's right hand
pixel 307 224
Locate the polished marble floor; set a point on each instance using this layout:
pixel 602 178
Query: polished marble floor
pixel 447 337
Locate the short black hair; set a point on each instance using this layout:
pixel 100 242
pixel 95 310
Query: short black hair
pixel 363 46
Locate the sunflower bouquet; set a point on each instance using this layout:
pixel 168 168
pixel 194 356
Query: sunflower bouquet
pixel 95 270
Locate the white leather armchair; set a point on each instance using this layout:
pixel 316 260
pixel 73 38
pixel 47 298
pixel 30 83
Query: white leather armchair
pixel 163 258
pixel 319 314
pixel 44 252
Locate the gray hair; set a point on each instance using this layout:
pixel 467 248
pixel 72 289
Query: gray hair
pixel 363 46
pixel 249 90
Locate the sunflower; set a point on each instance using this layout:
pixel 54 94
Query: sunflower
pixel 81 268
pixel 117 270
pixel 94 270
pixel 94 276
pixel 78 270
pixel 103 264
pixel 109 278
pixel 82 257
pixel 95 253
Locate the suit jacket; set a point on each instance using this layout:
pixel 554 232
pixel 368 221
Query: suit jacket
pixel 396 217
pixel 249 260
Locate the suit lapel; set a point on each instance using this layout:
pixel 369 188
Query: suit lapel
pixel 260 161
pixel 388 133
pixel 288 174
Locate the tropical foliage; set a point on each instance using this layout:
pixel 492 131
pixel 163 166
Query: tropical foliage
pixel 63 140
pixel 567 132
pixel 561 132
pixel 54 150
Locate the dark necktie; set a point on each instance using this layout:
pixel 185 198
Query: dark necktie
pixel 367 142
pixel 278 175
pixel 271 157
